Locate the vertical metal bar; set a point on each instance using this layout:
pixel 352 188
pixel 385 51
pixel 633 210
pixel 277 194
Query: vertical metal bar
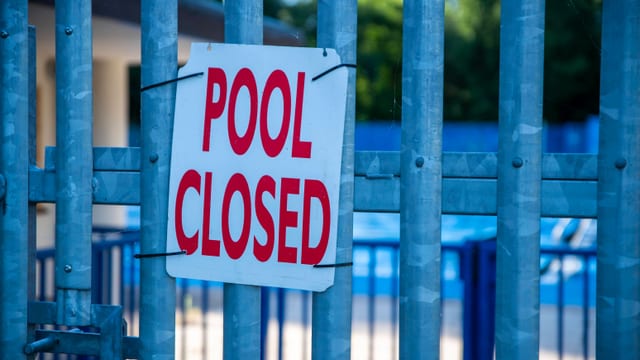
pixel 471 274
pixel 14 109
pixel 561 307
pixel 96 276
pixel 394 303
pixel 159 24
pixel 265 314
pixel 243 24
pixel 133 303
pixel 183 317
pixel 519 174
pixel 42 287
pixel 32 158
pixel 282 298
pixel 421 178
pixel 618 288
pixel 331 335
pixel 306 298
pixel 585 308
pixel 485 320
pixel 74 162
pixel 371 300
pixel 123 276
pixel 205 318
pixel 106 268
pixel 31 263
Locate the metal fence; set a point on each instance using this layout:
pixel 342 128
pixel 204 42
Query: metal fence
pixel 518 184
pixel 468 278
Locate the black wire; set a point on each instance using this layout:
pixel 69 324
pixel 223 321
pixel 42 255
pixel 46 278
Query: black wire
pixel 331 69
pixel 170 81
pixel 333 265
pixel 140 256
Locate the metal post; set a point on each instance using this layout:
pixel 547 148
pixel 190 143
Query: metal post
pixel 31 264
pixel 519 179
pixel 421 179
pixel 243 24
pixel 74 162
pixel 32 159
pixel 159 24
pixel 331 310
pixel 618 289
pixel 14 109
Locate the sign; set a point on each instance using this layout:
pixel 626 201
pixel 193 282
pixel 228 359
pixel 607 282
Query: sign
pixel 255 165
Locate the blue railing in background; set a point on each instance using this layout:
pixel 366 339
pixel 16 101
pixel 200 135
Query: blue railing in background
pixel 468 274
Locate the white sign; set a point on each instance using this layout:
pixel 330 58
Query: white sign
pixel 255 166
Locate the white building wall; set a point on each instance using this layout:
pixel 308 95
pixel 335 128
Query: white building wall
pixel 116 46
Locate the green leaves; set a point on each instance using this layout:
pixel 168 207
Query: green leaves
pixel 472 41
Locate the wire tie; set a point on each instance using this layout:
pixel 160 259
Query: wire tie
pixel 344 264
pixel 170 81
pixel 332 69
pixel 140 256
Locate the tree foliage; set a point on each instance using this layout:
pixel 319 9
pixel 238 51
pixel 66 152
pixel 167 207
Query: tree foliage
pixel 572 59
pixel 472 42
pixel 471 69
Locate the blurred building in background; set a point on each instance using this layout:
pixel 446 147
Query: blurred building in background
pixel 116 54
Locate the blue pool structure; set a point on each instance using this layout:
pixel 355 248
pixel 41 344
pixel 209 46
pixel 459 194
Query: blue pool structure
pixel 470 136
pixel 456 230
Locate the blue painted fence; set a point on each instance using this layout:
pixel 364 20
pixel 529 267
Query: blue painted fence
pixel 468 275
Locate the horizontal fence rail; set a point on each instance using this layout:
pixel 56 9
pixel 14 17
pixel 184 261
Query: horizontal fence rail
pixel 569 184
